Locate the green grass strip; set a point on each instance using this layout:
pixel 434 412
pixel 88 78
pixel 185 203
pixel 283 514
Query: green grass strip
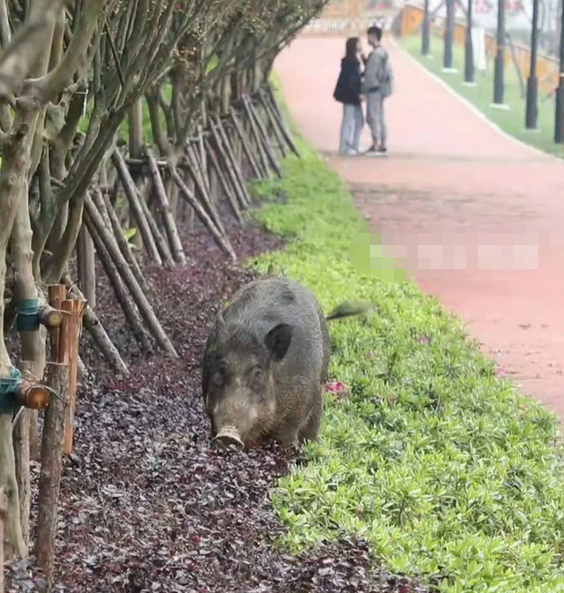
pixel 442 465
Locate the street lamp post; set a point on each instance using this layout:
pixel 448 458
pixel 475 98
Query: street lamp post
pixel 532 83
pixel 499 86
pixel 426 38
pixel 469 50
pixel 559 124
pixel 449 35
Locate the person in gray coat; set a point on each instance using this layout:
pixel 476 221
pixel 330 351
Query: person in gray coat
pixel 377 86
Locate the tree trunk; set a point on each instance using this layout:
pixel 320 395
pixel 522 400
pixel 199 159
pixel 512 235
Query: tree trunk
pixel 14 541
pixel 86 261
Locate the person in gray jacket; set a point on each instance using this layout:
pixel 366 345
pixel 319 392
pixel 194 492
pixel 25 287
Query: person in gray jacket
pixel 377 86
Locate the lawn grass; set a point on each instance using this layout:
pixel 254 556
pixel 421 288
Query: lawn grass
pixel 439 463
pixel 511 120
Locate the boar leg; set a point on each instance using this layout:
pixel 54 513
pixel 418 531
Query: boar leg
pixel 310 430
pixel 287 436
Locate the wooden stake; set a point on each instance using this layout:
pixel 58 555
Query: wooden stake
pixel 135 200
pixel 265 139
pixel 274 125
pixel 68 354
pixel 57 294
pixel 125 299
pixel 102 202
pixel 141 300
pixel 51 466
pixel 224 150
pixel 164 207
pixel 258 142
pixel 3 515
pixel 223 182
pixel 282 121
pixel 98 333
pixel 247 148
pixel 222 242
pixel 195 172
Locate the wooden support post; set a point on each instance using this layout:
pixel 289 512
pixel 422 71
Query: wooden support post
pixel 103 202
pixel 222 241
pixel 51 466
pixel 135 290
pixel 31 371
pixel 136 208
pixel 282 122
pixel 274 124
pixel 166 212
pixel 68 354
pixel 125 298
pixel 3 515
pixel 227 189
pixel 258 141
pixel 196 173
pixel 98 333
pixel 247 148
pixel 263 134
pixel 57 294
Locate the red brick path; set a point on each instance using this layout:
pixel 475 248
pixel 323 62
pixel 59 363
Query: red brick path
pixel 454 181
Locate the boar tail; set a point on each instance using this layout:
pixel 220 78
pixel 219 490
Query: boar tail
pixel 347 310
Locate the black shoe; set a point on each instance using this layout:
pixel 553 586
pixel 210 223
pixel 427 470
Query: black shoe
pixel 383 149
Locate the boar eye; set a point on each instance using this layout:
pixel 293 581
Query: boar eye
pixel 257 373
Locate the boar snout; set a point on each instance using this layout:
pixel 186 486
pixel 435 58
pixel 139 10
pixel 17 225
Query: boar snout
pixel 227 437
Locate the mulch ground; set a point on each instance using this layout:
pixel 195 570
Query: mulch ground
pixel 146 505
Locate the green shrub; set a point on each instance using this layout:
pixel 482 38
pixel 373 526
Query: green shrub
pixel 443 466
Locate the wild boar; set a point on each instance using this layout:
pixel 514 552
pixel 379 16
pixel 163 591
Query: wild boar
pixel 265 362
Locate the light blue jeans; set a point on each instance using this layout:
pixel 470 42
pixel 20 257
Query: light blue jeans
pixel 376 119
pixel 351 128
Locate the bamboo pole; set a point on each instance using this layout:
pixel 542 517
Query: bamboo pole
pixel 222 242
pixel 164 207
pixel 227 189
pixel 247 148
pixel 134 201
pixel 129 279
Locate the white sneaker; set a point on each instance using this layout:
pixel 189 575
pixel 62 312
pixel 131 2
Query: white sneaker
pixel 351 152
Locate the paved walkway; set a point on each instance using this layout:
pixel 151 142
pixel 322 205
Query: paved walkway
pixel 454 182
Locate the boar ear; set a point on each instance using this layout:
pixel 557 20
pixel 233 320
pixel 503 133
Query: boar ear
pixel 278 340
